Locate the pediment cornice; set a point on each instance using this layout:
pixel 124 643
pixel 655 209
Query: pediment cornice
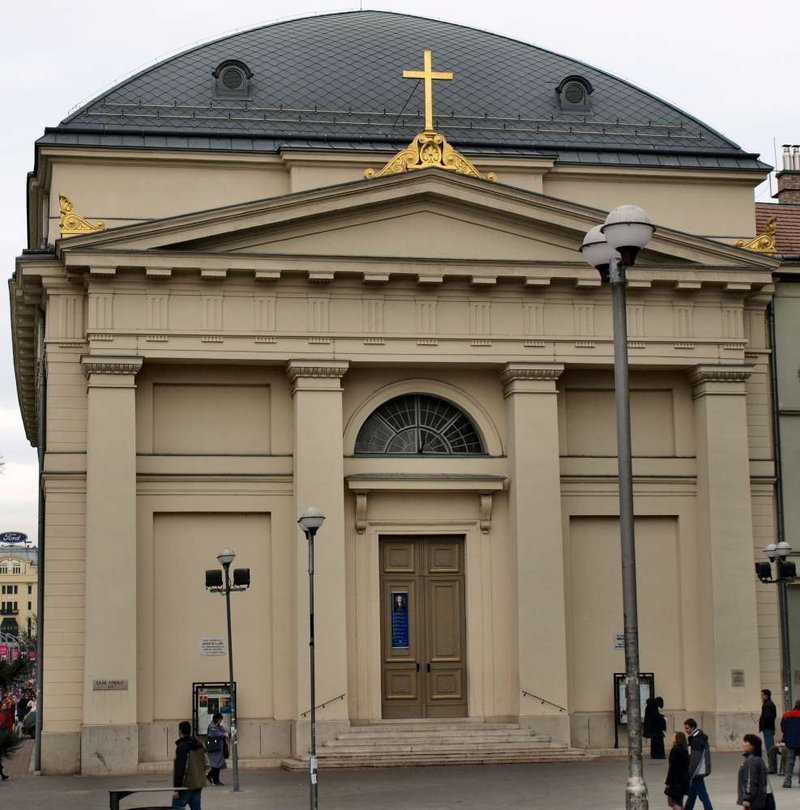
pixel 233 228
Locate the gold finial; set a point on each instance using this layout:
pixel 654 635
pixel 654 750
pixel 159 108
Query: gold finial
pixel 429 76
pixel 764 242
pixel 74 224
pixel 429 148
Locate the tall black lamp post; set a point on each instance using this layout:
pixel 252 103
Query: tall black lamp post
pixel 610 248
pixel 217 584
pixel 310 521
pixel 785 572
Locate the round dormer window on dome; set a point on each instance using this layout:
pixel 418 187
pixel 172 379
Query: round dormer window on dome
pixel 573 94
pixel 232 79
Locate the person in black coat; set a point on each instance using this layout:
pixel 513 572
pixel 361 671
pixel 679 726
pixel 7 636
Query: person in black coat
pixel 766 722
pixel 654 724
pixel 677 781
pixel 751 781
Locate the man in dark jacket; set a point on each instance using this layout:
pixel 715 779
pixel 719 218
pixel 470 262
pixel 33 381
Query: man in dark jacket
pixel 699 765
pixel 189 769
pixel 790 726
pixel 766 723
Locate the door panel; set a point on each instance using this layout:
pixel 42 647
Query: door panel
pixel 423 627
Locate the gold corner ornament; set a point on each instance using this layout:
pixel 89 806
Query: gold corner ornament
pixel 72 224
pixel 429 149
pixel 764 242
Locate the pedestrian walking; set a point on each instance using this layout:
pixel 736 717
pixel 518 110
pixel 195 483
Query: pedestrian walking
pixel 677 781
pixel 654 726
pixel 699 765
pixel 216 743
pixel 766 722
pixel 752 781
pixel 790 727
pixel 189 769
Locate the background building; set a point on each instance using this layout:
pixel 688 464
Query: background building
pixel 18 589
pixel 238 324
pixel 779 223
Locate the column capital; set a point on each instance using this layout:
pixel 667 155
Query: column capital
pixel 527 378
pixel 316 375
pixel 719 379
pixel 116 366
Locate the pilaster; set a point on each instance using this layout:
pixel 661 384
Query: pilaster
pixel 536 526
pixel 726 582
pixel 109 735
pixel 319 481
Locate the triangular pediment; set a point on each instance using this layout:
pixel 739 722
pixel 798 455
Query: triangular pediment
pixel 429 215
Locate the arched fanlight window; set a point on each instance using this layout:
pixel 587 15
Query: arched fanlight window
pixel 421 425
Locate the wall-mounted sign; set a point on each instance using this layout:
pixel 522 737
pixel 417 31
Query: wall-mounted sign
pixel 212 646
pixel 108 685
pixel 209 699
pixel 13 537
pixel 618 641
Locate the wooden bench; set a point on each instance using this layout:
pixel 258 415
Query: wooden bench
pixel 115 796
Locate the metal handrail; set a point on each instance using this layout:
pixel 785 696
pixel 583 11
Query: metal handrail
pixel 327 702
pixel 543 700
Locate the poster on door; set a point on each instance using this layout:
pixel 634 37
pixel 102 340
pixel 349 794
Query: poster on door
pixel 399 620
pixel 209 699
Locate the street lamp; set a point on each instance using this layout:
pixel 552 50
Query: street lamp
pixel 610 248
pixel 310 521
pixel 786 572
pixel 215 584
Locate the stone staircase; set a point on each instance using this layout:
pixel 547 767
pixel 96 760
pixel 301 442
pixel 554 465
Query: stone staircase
pixel 414 743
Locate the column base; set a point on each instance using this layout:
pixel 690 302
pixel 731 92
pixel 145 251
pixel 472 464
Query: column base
pixel 61 753
pixel 109 749
pixel 555 726
pixel 326 730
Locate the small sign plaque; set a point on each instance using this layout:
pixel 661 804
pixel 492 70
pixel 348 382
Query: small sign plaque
pixel 106 685
pixel 618 641
pixel 212 646
pixel 737 677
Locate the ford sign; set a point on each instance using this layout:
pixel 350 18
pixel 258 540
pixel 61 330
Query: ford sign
pixel 13 537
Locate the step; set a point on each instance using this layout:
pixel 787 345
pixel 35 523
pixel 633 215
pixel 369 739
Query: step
pixel 402 745
pixel 456 725
pixel 439 739
pixel 460 758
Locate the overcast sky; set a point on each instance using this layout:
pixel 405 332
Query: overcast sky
pixel 731 64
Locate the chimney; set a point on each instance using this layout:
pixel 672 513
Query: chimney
pixel 789 176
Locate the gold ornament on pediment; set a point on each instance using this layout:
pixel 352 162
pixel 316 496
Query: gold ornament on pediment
pixel 429 149
pixel 72 224
pixel 764 242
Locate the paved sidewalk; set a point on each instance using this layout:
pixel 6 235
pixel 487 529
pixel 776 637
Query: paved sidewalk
pixel 594 785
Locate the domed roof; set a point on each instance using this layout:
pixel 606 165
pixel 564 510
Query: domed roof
pixel 336 81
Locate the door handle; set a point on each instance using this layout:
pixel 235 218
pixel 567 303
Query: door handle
pixel 428 665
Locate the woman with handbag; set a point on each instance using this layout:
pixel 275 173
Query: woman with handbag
pixel 216 743
pixel 752 779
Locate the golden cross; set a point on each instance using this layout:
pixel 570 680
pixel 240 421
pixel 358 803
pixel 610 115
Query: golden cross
pixel 429 76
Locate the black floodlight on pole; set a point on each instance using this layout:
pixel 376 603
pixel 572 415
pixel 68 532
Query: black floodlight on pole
pixel 310 521
pixel 609 248
pixel 216 584
pixel 785 572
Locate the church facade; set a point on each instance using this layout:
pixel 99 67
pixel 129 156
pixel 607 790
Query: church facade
pixel 234 323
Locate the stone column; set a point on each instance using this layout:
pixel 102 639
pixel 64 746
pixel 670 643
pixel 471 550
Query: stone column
pixel 536 530
pixel 722 614
pixel 319 481
pixel 109 734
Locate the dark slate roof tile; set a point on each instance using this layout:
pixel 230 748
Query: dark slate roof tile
pixel 337 78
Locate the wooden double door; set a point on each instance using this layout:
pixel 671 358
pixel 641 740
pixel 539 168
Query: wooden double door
pixel 423 627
